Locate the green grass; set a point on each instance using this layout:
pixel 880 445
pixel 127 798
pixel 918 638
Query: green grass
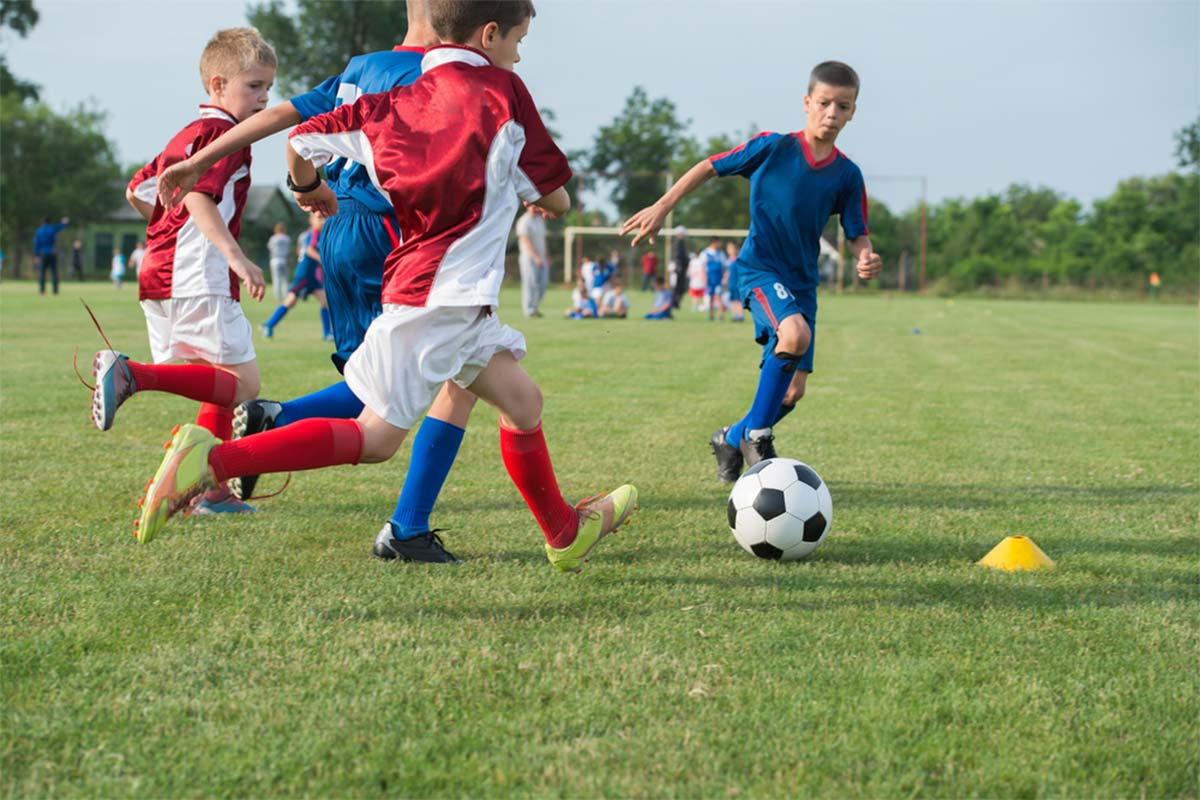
pixel 270 655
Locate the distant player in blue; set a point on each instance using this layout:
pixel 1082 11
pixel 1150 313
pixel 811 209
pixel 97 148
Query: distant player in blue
pixel 714 275
pixel 733 296
pixel 45 251
pixel 307 281
pixel 359 234
pixel 797 181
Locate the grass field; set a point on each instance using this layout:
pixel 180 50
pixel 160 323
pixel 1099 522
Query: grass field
pixel 270 655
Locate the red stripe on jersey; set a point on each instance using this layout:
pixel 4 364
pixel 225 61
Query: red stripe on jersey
pixel 739 147
pixel 391 229
pixel 808 156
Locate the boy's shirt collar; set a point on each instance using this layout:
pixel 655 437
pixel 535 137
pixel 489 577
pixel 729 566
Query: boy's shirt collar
pixel 208 111
pixel 405 48
pixel 441 54
pixel 808 155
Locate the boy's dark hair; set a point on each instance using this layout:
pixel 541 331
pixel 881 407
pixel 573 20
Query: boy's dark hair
pixel 454 20
pixel 833 73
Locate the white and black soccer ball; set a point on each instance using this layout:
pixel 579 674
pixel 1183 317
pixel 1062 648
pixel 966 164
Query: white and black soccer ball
pixel 780 509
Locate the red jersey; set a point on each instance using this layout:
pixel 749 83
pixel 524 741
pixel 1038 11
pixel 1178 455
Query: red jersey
pixel 454 152
pixel 180 261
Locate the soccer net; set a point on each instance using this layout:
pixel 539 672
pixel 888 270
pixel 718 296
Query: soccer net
pixel 581 240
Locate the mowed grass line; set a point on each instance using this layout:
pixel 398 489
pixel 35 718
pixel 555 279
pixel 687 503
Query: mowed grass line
pixel 270 655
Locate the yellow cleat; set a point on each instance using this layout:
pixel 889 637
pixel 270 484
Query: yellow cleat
pixel 183 475
pixel 598 517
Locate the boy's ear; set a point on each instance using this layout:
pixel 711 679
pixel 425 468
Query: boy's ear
pixel 489 34
pixel 216 85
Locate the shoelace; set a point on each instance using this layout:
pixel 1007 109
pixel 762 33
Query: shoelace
pixel 765 446
pixel 75 356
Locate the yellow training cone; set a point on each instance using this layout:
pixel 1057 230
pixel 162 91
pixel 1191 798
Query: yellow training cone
pixel 1016 553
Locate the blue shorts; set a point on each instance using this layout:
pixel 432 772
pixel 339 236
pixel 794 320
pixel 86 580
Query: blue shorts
pixel 714 284
pixel 306 280
pixel 354 244
pixel 772 303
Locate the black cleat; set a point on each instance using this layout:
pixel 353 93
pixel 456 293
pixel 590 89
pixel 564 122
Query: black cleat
pixel 425 547
pixel 729 458
pixel 249 418
pixel 756 450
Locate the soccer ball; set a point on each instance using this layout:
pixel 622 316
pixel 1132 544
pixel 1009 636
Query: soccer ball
pixel 780 509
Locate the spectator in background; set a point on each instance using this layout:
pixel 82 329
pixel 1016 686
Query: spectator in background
pixel 680 258
pixel 649 268
pixel 135 258
pixel 279 246
pixel 663 300
pixel 582 304
pixel 532 260
pixel 77 259
pixel 615 305
pixel 118 269
pixel 1155 283
pixel 45 251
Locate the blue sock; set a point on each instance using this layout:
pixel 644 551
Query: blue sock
pixel 433 453
pixel 328 329
pixel 784 410
pixel 278 315
pixel 335 402
pixel 773 381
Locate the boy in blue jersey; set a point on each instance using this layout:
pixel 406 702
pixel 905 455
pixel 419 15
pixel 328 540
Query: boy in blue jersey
pixel 714 274
pixel 797 181
pixel 353 245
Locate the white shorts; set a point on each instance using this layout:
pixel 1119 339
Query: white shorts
pixel 408 353
pixel 211 328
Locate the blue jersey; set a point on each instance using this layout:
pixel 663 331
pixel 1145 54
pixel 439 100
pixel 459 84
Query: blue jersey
pixel 791 198
pixel 365 74
pixel 714 263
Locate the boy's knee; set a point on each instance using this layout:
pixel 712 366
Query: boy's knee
pixel 792 339
pixel 528 411
pixel 793 395
pixel 248 387
pixel 376 452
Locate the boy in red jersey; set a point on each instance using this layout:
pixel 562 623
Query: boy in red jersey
pixel 188 281
pixel 455 153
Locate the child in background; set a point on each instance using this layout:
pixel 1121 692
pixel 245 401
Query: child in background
pixel 582 304
pixel 663 299
pixel 697 275
pixel 438 321
pixel 733 295
pixel 615 305
pixel 307 281
pixel 118 269
pixel 188 285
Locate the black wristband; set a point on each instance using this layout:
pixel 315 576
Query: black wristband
pixel 291 184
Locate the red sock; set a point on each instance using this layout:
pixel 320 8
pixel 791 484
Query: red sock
pixel 307 444
pixel 217 419
pixel 528 463
pixel 199 382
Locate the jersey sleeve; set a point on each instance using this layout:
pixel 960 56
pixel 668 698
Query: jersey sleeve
pixel 541 167
pixel 144 183
pixel 339 133
pixel 852 206
pixel 745 158
pixel 217 177
pixel 321 99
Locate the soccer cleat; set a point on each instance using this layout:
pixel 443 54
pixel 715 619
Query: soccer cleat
pixel 597 519
pixel 729 458
pixel 426 547
pixel 219 501
pixel 249 418
pixel 758 449
pixel 114 385
pixel 183 474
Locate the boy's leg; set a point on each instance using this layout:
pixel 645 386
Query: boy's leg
pixel 787 338
pixel 570 533
pixel 117 378
pixel 197 461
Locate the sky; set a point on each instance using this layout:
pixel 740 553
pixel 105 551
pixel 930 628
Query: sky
pixel 970 96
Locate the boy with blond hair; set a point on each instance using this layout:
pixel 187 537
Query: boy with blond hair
pixel 189 281
pixel 797 181
pixel 483 149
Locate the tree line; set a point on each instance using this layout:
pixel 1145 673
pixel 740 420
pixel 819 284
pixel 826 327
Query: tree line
pixel 1028 236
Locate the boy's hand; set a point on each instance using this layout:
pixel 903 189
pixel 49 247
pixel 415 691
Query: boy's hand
pixel 251 275
pixel 175 182
pixel 539 211
pixel 646 224
pixel 869 264
pixel 320 200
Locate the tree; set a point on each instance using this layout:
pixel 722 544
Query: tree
pixel 1187 146
pixel 53 165
pixel 636 149
pixel 324 34
pixel 20 16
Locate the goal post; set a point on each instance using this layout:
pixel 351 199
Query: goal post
pixel 574 233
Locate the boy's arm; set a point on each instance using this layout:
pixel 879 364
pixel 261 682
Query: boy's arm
pixel 204 213
pixel 146 210
pixel 649 221
pixel 179 178
pixel 554 204
pixel 868 261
